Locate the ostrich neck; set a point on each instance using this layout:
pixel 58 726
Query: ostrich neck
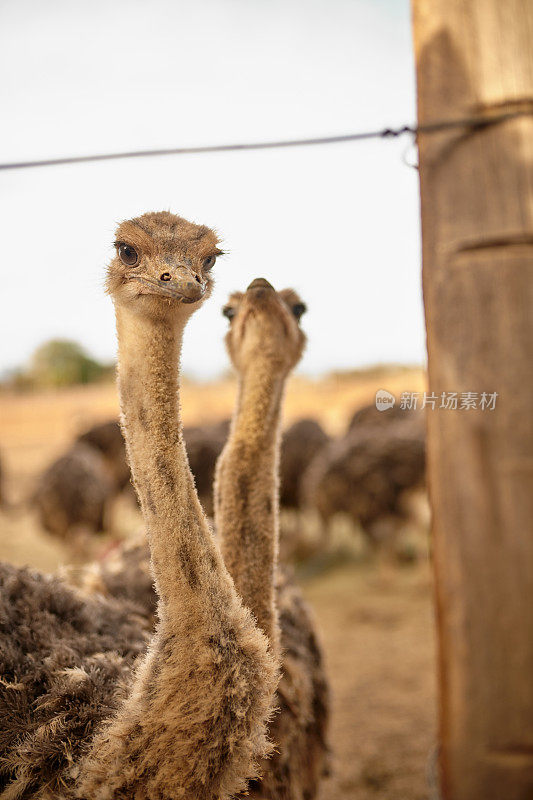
pixel 258 409
pixel 246 506
pixel 207 676
pixel 148 371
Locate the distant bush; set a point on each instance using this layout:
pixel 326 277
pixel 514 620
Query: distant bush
pixel 61 362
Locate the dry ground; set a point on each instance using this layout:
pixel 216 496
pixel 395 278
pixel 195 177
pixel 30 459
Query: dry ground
pixel 376 619
pixel 377 631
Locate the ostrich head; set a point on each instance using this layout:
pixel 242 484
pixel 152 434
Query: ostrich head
pixel 264 326
pixel 162 264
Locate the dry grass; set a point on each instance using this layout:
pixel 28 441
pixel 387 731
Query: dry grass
pixel 376 619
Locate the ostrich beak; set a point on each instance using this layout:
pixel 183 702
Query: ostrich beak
pixel 180 285
pixel 260 283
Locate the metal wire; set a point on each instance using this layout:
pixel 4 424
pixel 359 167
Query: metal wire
pixel 472 123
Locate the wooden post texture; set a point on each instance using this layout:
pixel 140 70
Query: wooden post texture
pixel 476 57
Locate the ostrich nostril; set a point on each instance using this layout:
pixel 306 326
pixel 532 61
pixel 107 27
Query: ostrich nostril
pixel 260 283
pixel 198 279
pixel 165 276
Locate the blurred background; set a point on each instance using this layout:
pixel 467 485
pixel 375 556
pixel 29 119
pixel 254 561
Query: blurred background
pixel 339 223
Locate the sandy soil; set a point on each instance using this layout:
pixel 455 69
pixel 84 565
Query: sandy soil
pixel 377 632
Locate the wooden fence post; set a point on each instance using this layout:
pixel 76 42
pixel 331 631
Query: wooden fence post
pixel 476 57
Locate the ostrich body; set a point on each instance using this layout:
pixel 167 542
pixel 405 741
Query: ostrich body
pixel 368 473
pixel 189 720
pixel 65 663
pixel 204 444
pixel 300 444
pixel 107 439
pixel 370 415
pixel 73 493
pixel 299 728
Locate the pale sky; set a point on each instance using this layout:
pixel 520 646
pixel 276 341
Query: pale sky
pixel 339 223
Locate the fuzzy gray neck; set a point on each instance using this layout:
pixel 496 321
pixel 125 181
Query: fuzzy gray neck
pixel 246 498
pixel 180 540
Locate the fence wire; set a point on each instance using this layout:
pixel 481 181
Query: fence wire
pixel 467 123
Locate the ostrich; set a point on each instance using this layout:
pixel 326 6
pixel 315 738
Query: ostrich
pixel 368 473
pixel 73 493
pixel 107 439
pixel 265 342
pixel 123 573
pixel 300 444
pixel 189 721
pixel 204 444
pixel 369 415
pixel 246 484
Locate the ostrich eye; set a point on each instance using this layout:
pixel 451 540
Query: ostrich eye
pixel 229 312
pixel 298 309
pixel 128 255
pixel 209 262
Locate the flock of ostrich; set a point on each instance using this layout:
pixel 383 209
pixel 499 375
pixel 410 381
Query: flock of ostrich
pixel 367 473
pixel 185 661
